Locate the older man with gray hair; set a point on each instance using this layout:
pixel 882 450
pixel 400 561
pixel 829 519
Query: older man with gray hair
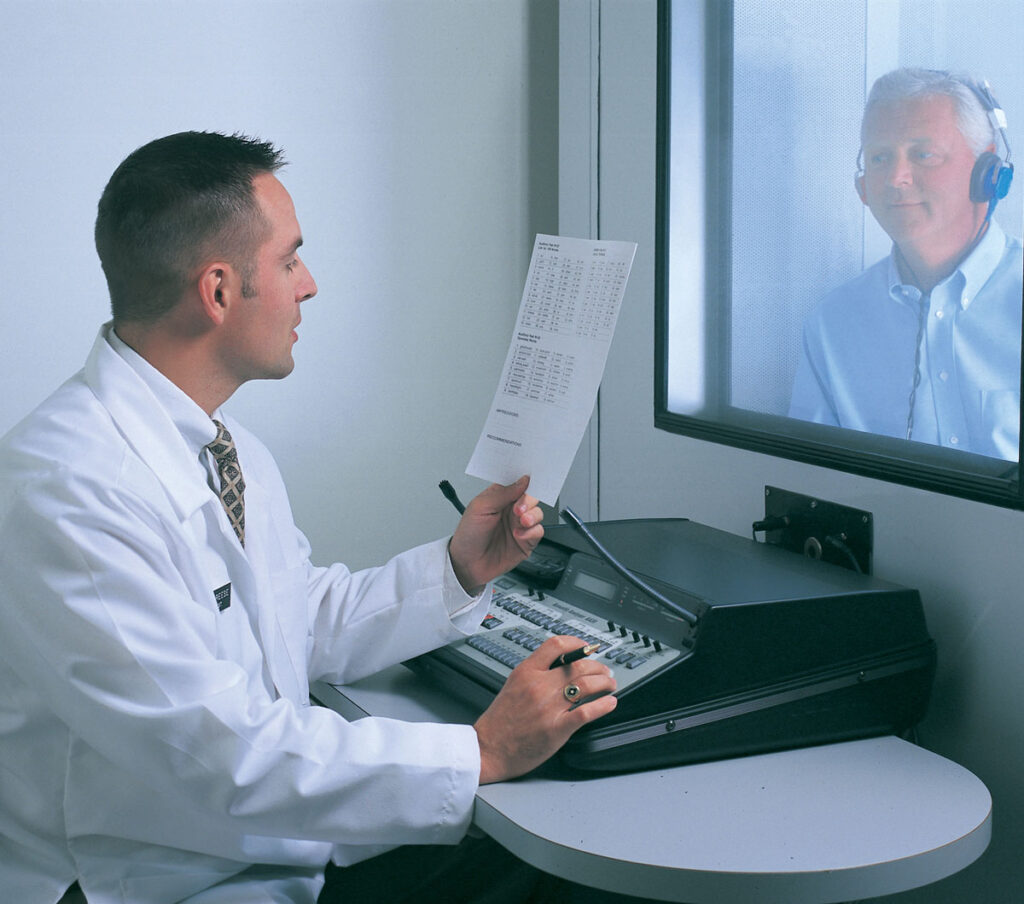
pixel 925 344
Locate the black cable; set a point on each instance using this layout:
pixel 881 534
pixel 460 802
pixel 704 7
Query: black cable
pixel 839 544
pixel 635 580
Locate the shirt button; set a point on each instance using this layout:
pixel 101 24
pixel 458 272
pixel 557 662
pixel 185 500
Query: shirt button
pixel 944 375
pixel 954 440
pixel 940 314
pixel 964 302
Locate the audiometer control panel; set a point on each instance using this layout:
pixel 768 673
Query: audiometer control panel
pixel 521 618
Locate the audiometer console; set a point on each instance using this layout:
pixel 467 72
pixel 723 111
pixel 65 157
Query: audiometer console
pixel 761 649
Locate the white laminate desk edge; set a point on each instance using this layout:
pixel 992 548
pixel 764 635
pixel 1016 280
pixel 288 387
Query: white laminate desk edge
pixel 811 826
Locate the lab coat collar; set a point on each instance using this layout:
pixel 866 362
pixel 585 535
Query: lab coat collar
pixel 195 426
pixel 146 426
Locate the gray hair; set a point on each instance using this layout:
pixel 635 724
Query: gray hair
pixel 971 113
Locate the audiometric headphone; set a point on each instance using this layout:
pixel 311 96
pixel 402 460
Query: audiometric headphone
pixel 858 179
pixel 992 174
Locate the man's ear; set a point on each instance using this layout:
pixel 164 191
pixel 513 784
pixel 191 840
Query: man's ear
pixel 218 287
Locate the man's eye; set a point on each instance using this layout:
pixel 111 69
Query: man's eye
pixel 291 266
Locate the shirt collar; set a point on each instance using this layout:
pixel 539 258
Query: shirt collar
pixel 981 263
pixel 974 270
pixel 195 426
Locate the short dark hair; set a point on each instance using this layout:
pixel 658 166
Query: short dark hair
pixel 172 204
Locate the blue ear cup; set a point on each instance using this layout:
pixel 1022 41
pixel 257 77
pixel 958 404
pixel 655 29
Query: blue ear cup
pixel 990 178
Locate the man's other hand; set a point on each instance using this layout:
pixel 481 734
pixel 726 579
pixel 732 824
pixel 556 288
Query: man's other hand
pixel 532 717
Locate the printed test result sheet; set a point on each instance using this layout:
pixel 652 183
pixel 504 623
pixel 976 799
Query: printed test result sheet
pixel 555 362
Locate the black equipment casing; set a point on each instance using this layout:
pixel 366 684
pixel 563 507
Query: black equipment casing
pixel 786 652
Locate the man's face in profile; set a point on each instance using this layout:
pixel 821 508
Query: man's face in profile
pixel 917 170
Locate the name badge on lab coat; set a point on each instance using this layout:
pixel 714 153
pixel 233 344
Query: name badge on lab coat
pixel 222 596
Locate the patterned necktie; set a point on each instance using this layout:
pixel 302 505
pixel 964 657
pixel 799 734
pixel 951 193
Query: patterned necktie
pixel 232 486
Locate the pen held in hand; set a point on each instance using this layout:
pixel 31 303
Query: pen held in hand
pixel 572 656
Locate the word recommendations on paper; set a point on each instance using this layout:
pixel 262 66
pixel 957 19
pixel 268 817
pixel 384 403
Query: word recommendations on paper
pixel 547 390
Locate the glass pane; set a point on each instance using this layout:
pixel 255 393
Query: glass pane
pixel 827 312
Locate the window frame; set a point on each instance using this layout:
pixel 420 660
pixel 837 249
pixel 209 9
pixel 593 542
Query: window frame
pixel 920 465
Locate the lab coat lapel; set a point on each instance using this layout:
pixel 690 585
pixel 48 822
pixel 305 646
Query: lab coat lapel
pixel 251 580
pixel 281 611
pixel 253 584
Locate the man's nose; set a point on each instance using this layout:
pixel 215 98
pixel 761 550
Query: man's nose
pixel 307 285
pixel 900 172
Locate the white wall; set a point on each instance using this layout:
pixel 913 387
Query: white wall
pixel 964 557
pixel 421 135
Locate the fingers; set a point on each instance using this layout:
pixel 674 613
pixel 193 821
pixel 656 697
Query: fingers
pixel 525 508
pixel 585 684
pixel 526 512
pixel 593 678
pixel 601 704
pixel 527 537
pixel 554 647
pixel 582 690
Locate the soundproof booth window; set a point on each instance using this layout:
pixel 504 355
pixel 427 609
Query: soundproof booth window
pixel 839 268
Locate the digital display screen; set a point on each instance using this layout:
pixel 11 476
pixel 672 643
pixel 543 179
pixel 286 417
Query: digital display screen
pixel 604 589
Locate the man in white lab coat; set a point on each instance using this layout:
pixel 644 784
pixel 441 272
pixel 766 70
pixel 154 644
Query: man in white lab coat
pixel 156 645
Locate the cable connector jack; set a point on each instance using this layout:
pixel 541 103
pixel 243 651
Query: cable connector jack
pixel 776 522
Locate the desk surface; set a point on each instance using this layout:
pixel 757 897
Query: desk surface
pixel 822 824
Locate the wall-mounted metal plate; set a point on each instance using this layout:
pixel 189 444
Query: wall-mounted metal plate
pixel 819 529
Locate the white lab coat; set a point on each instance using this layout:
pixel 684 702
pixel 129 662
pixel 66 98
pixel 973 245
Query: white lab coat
pixel 151 745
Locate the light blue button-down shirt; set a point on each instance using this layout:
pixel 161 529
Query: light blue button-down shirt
pixel 857 365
